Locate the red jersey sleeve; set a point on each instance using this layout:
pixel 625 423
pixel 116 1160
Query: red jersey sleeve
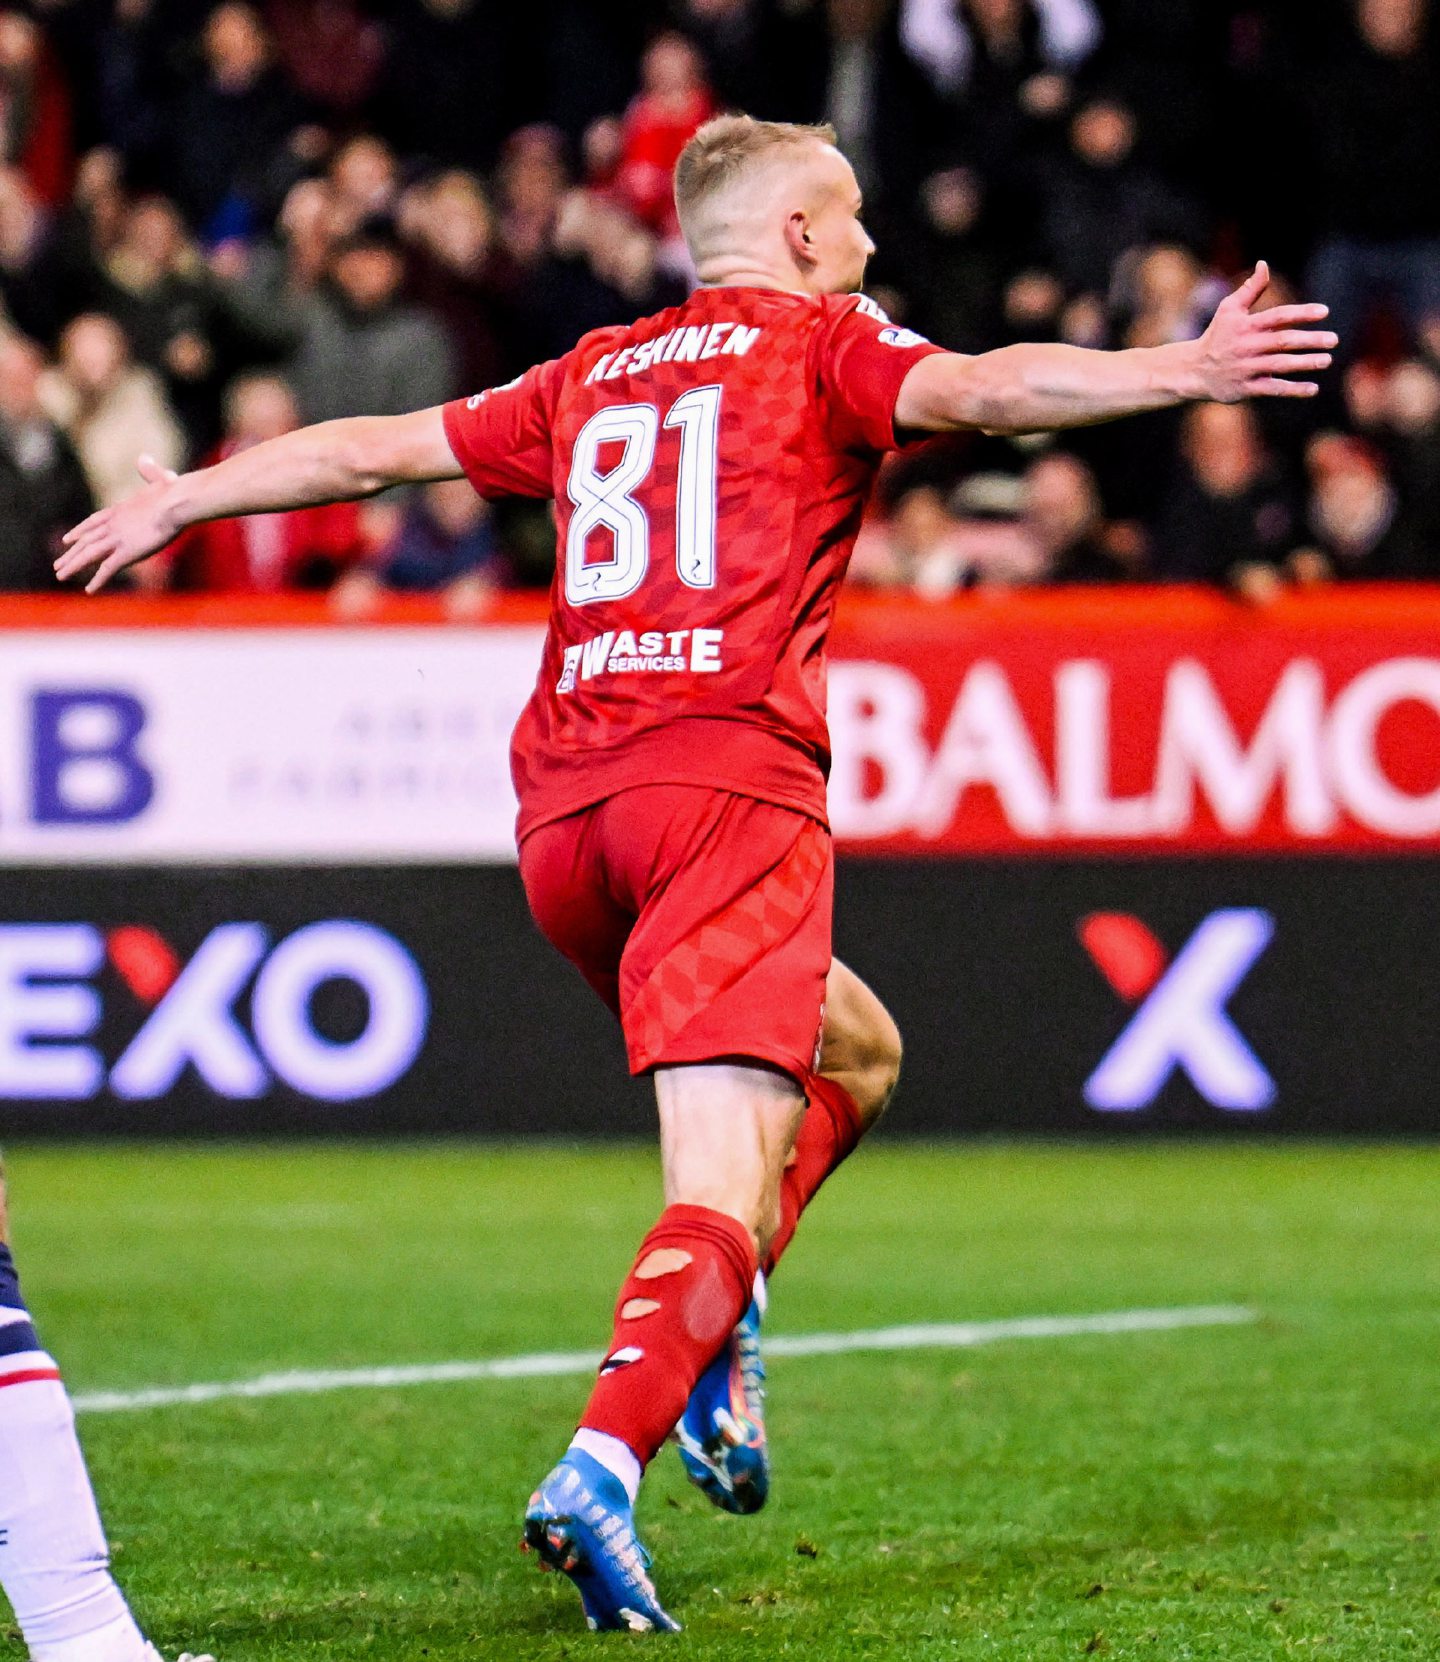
pixel 864 359
pixel 502 437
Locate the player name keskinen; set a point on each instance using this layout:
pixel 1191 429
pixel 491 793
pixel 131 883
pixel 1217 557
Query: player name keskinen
pixel 624 652
pixel 686 346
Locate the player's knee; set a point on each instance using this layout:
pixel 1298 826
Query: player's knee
pixel 767 1224
pixel 890 1052
pixel 874 1063
pixel 882 1071
pixel 725 1132
pixel 860 1047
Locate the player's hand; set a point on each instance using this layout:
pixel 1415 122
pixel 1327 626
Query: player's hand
pixel 117 537
pixel 1252 354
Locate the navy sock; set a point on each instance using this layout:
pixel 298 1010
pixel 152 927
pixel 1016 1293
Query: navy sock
pixel 15 1335
pixel 10 1297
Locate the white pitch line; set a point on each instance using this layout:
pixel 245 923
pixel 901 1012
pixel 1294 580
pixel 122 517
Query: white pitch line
pixel 932 1336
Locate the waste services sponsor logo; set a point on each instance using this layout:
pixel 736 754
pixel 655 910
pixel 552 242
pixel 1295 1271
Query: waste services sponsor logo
pixel 626 652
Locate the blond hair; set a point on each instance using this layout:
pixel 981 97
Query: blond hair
pixel 727 147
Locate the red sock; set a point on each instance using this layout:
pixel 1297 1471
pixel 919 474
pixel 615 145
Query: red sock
pixel 692 1279
pixel 828 1133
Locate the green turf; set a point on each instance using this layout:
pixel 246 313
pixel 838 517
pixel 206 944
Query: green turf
pixel 1266 1491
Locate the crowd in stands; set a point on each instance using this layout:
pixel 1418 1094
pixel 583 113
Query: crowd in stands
pixel 219 222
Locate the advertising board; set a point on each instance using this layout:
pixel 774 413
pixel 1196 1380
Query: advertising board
pixel 171 746
pixel 1138 722
pixel 1099 997
pixel 1145 722
pixel 1119 861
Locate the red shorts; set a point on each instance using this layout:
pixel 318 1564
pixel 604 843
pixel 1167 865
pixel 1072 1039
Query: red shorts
pixel 702 918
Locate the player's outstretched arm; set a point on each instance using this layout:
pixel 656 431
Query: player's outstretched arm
pixel 334 461
pixel 1033 388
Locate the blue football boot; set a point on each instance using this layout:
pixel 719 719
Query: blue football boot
pixel 580 1522
pixel 722 1431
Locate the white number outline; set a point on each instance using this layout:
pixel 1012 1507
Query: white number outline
pixel 697 414
pixel 606 501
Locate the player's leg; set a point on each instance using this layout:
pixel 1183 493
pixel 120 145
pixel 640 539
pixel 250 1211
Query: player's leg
pixel 848 1092
pixel 725 1132
pixel 54 1564
pixel 726 1129
pixel 724 904
pixel 722 1431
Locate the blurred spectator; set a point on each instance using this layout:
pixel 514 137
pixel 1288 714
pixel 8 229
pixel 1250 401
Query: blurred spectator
pixel 157 287
pixel 99 200
pixel 1228 518
pixel 459 75
pixel 265 553
pixel 43 489
pixel 998 543
pixel 1168 295
pixel 34 110
pixel 50 263
pixel 532 182
pixel 1181 68
pixel 25 246
pixel 672 102
pixel 933 548
pixel 1372 157
pixel 459 273
pixel 230 125
pixel 918 548
pixel 1066 519
pixel 444 543
pixel 1007 67
pixel 1397 410
pixel 355 347
pixel 1355 518
pixel 580 261
pixel 963 262
pixel 364 180
pixel 1099 200
pixel 139 52
pixel 309 226
pixel 623 259
pixel 113 409
pixel 879 103
pixel 1034 300
pixel 1052 37
pixel 331 51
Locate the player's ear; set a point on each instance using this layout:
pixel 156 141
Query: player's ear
pixel 798 240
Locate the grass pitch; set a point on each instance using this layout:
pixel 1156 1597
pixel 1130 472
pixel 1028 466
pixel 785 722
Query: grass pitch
pixel 1228 1493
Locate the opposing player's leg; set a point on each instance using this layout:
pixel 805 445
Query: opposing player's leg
pixel 54 1563
pixel 722 1431
pixel 726 1130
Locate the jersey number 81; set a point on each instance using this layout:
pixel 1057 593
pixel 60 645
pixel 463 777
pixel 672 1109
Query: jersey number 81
pixel 606 501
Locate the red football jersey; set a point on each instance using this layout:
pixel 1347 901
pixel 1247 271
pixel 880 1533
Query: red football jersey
pixel 709 467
